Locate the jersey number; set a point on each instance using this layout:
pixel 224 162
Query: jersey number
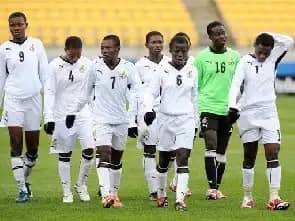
pixel 71 76
pixel 21 56
pixel 178 80
pixel 220 67
pixel 113 82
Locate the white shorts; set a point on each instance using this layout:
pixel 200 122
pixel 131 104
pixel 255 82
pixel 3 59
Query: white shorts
pixel 175 132
pixel 64 139
pixel 114 135
pixel 147 135
pixel 25 113
pixel 256 126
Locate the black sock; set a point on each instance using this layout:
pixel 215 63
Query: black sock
pixel 211 172
pixel 220 171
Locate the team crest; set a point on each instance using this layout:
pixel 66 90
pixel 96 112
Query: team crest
pixel 123 74
pixel 189 74
pixel 82 69
pixel 231 62
pixel 32 48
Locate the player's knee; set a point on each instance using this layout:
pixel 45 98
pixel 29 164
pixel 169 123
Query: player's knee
pixel 210 139
pixel 116 166
pixel 149 151
pixel 65 157
pixel 272 153
pixel 105 155
pixel 182 170
pixel 87 154
pixel 164 158
pixel 182 156
pixel 220 158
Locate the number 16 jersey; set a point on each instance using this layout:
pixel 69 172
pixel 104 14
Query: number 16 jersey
pixel 216 72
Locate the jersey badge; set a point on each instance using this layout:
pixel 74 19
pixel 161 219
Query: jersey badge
pixel 123 74
pixel 231 62
pixel 60 67
pixel 32 48
pixel 189 74
pixel 82 68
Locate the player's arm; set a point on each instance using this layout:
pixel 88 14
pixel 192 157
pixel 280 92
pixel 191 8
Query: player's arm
pixel 43 64
pixel 195 98
pixel 199 66
pixel 49 100
pixel 3 76
pixel 283 44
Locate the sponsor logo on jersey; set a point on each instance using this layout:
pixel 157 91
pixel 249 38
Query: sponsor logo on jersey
pixel 7 49
pixel 60 67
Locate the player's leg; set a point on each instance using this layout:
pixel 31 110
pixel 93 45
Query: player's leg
pixel 182 156
pixel 250 153
pixel 172 164
pixel 119 140
pixel 32 144
pixel 17 163
pixel 223 135
pixel 150 172
pixel 209 125
pixel 64 171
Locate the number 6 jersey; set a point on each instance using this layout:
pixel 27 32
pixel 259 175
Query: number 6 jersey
pixel 64 88
pixel 23 68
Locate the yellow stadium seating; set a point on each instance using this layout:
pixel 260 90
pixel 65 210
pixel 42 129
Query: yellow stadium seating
pixel 54 20
pixel 247 18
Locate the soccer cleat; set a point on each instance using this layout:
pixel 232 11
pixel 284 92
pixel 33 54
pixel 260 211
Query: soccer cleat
pixel 172 187
pixel 212 194
pixel 22 197
pixel 153 196
pixel 29 190
pixel 116 202
pixel 68 198
pixel 162 202
pixel 248 203
pixel 180 206
pixel 107 201
pixel 82 192
pixel 278 204
pixel 220 195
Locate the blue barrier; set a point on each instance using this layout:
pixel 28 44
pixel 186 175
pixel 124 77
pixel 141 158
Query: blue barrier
pixel 286 70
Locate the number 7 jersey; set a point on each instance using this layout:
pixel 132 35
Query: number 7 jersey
pixel 110 91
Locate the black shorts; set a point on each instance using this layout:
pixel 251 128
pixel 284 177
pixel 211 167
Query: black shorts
pixel 215 122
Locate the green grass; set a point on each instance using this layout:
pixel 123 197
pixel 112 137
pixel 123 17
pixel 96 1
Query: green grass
pixel 47 205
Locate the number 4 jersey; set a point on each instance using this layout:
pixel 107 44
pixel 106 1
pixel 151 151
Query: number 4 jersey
pixel 64 87
pixel 216 72
pixel 23 68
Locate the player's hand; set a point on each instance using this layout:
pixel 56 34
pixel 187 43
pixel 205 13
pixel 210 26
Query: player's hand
pixel 70 119
pixel 132 132
pixel 49 127
pixel 233 115
pixel 149 117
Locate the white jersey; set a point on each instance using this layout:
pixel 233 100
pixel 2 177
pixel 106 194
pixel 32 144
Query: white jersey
pixel 23 68
pixel 146 70
pixel 64 88
pixel 178 89
pixel 110 89
pixel 255 80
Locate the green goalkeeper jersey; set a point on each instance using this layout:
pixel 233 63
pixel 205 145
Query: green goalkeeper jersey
pixel 216 72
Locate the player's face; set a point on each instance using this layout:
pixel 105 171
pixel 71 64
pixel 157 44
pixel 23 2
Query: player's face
pixel 179 52
pixel 17 27
pixel 109 50
pixel 73 54
pixel 155 44
pixel 218 36
pixel 262 52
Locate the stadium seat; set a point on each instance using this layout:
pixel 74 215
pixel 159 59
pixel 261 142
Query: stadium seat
pixel 54 20
pixel 248 18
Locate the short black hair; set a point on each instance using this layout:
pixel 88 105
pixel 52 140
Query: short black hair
pixel 17 14
pixel 73 42
pixel 212 25
pixel 114 38
pixel 152 33
pixel 183 34
pixel 178 39
pixel 265 40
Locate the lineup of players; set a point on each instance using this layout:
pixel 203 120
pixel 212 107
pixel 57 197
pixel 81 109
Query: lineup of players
pixel 87 100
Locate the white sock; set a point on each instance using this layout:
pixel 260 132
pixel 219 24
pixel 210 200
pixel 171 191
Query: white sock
pixel 97 160
pixel 85 166
pixel 174 180
pixel 104 180
pixel 182 182
pixel 274 180
pixel 17 165
pixel 162 183
pixel 29 163
pixel 115 180
pixel 64 171
pixel 150 172
pixel 248 182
